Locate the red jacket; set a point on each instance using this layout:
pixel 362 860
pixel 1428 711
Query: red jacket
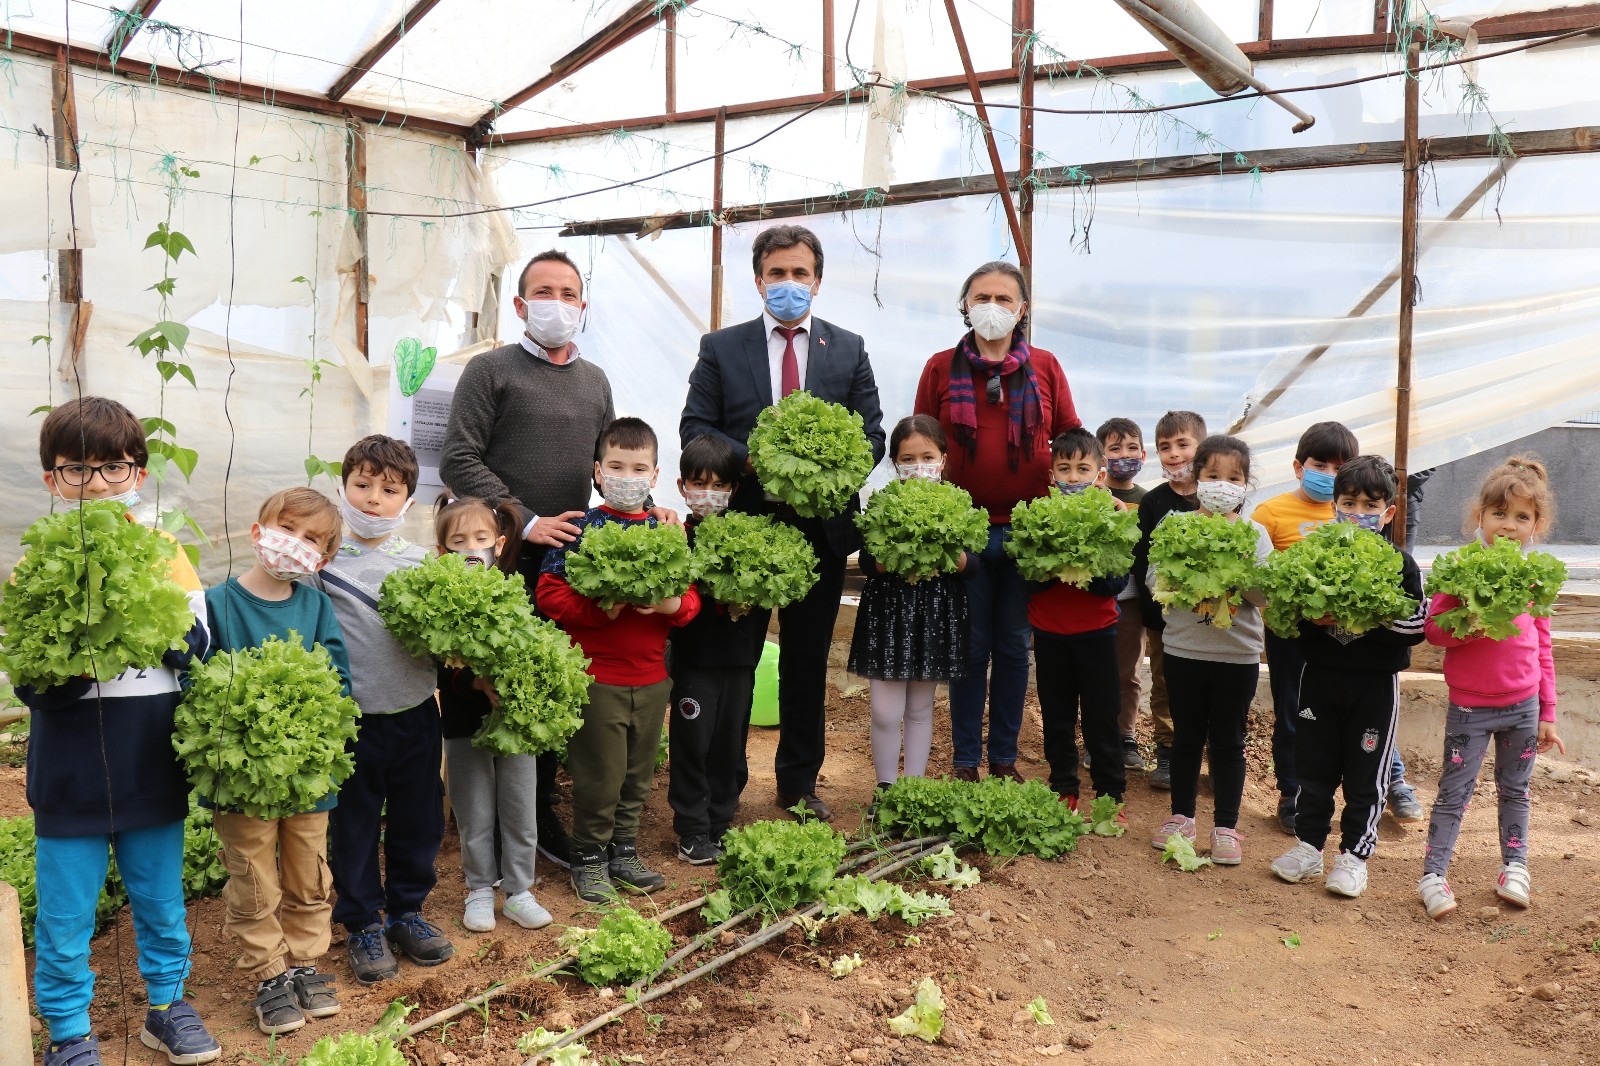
pixel 987 475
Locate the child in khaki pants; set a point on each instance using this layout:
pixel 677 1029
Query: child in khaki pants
pixel 277 895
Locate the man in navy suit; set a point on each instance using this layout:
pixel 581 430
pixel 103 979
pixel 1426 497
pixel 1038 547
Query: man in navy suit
pixel 742 370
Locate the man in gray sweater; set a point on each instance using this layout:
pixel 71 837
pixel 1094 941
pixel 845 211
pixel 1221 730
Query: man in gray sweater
pixel 523 428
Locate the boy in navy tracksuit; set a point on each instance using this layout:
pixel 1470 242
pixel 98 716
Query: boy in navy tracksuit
pixel 714 661
pixel 103 778
pixel 1075 649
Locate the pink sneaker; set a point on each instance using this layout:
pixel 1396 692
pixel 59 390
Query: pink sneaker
pixel 1225 847
pixel 1176 824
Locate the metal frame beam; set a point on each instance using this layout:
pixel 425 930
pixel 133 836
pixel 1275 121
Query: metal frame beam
pixel 355 71
pixel 1501 28
pixel 139 11
pixel 1568 141
pixel 625 27
pixel 172 77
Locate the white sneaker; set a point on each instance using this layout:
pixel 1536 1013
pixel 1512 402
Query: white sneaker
pixel 526 912
pixel 1348 877
pixel 1300 863
pixel 1514 884
pixel 1176 824
pixel 1437 898
pixel 478 916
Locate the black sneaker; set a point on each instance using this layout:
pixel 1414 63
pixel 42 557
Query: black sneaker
pixel 1286 813
pixel 419 941
pixel 589 877
pixel 554 843
pixel 626 869
pixel 79 1051
pixel 314 992
pixel 698 851
pixel 370 958
pixel 276 1006
pixel 1131 759
pixel 1161 776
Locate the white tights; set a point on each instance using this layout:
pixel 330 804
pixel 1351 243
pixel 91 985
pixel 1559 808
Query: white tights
pixel 894 703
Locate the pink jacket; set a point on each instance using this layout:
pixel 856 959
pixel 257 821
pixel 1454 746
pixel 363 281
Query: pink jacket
pixel 1496 673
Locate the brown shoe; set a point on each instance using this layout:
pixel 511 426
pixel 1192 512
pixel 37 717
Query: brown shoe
pixel 1005 769
pixel 813 802
pixel 964 773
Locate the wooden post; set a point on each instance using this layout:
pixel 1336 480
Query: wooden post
pixel 671 45
pixel 16 1034
pixel 1408 286
pixel 356 191
pixel 716 220
pixel 1022 14
pixel 1264 21
pixel 64 118
pixel 828 62
pixel 1001 186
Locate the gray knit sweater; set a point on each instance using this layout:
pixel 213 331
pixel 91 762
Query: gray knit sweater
pixel 523 429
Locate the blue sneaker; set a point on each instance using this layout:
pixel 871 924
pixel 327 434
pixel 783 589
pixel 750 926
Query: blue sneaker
pixel 79 1051
pixel 180 1034
pixel 1403 803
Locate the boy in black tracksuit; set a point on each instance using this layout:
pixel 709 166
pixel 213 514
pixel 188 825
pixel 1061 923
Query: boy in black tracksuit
pixel 713 661
pixel 1349 703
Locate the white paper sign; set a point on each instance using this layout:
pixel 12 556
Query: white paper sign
pixel 420 419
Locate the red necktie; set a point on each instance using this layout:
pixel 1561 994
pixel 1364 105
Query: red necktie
pixel 789 380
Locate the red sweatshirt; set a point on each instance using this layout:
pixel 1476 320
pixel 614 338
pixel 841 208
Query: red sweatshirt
pixel 988 475
pixel 627 652
pixel 1064 610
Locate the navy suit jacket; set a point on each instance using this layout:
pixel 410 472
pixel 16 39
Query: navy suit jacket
pixel 732 383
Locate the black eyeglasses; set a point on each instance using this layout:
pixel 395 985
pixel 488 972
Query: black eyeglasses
pixel 77 475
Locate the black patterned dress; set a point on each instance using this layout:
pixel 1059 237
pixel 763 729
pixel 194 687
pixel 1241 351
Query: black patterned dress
pixel 911 632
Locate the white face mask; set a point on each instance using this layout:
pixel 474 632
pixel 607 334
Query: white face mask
pixel 1182 473
pixel 129 499
pixel 704 503
pixel 991 321
pixel 624 493
pixel 1221 497
pixel 922 471
pixel 285 557
pixel 370 527
pixel 552 323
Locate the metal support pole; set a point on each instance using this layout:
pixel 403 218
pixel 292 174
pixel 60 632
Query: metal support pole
pixel 1408 286
pixel 716 219
pixel 1001 187
pixel 1024 28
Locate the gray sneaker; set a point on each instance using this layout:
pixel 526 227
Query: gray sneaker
pixel 590 880
pixel 626 869
pixel 1131 759
pixel 420 940
pixel 370 958
pixel 1161 776
pixel 1403 803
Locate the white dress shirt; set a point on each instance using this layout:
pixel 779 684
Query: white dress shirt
pixel 775 346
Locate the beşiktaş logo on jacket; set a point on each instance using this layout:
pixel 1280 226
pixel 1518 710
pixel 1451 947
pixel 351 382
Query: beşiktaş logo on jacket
pixel 689 708
pixel 1369 741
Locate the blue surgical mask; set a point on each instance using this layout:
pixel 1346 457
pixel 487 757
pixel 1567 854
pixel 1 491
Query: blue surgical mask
pixel 1125 468
pixel 1372 522
pixel 1318 484
pixel 788 301
pixel 1071 488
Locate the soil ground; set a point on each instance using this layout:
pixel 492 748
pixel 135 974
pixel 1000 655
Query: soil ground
pixel 1138 962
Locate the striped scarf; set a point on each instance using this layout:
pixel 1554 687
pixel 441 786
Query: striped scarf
pixel 966 366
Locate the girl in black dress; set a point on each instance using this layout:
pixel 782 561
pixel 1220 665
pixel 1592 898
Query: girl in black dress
pixel 909 636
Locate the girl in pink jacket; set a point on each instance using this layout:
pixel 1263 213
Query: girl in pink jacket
pixel 1500 689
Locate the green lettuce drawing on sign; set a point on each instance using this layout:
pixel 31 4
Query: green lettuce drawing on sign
pixel 412 364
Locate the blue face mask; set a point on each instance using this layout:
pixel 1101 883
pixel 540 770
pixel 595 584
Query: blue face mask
pixel 788 301
pixel 1371 522
pixel 1071 488
pixel 1318 484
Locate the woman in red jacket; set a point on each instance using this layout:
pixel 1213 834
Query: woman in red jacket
pixel 1000 401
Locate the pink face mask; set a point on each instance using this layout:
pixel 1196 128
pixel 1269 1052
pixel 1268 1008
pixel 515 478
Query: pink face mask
pixel 286 557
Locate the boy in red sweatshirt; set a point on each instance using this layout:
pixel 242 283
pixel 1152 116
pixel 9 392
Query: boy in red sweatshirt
pixel 612 755
pixel 1075 649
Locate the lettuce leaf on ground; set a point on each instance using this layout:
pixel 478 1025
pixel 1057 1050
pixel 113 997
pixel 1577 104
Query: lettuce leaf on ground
pixel 811 454
pixel 264 730
pixel 1496 584
pixel 1072 537
pixel 91 596
pixel 924 1019
pixel 779 865
pixel 746 560
pixel 1338 571
pixel 635 563
pixel 623 948
pixel 1203 563
pixel 353 1049
pixel 918 528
